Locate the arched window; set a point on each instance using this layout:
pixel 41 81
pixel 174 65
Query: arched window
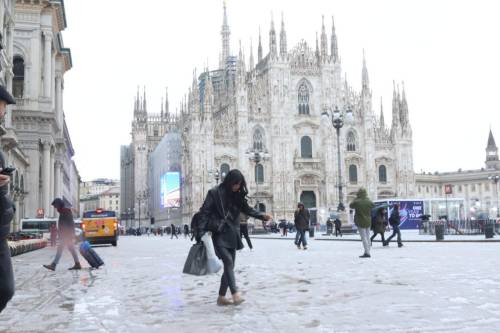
pixel 382 174
pixel 353 174
pixel 259 173
pixel 18 80
pixel 306 147
pixel 258 140
pixel 303 99
pixel 224 170
pixel 351 141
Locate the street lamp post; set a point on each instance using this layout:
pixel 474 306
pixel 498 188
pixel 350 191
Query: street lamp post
pixel 256 156
pixel 495 179
pixel 337 119
pixel 143 195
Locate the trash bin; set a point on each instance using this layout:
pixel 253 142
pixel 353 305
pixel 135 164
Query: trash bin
pixel 489 230
pixel 439 232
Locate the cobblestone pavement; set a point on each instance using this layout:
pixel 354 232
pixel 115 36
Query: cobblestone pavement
pixel 422 287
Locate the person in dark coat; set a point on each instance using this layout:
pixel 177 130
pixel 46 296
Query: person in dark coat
pixel 221 212
pixel 301 219
pixel 186 230
pixel 338 225
pixel 66 235
pixel 394 221
pixel 174 231
pixel 378 224
pixel 6 215
pixel 244 229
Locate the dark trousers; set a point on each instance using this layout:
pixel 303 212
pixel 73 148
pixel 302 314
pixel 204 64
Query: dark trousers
pixel 65 243
pixel 375 234
pixel 6 275
pixel 228 257
pixel 337 230
pixel 302 238
pixel 174 234
pixel 244 233
pixel 395 231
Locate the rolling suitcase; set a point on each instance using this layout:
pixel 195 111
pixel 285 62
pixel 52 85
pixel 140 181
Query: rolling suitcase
pixel 90 255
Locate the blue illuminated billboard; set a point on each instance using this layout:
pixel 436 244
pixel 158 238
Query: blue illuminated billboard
pixel 170 190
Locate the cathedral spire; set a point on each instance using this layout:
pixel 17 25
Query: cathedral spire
pixel 395 107
pixel 365 82
pixel 259 49
pixel 144 107
pixel 225 32
pixel 136 102
pixel 317 48
pixel 166 102
pixel 273 47
pixel 333 44
pixel 382 120
pixel 252 65
pixel 404 109
pixel 324 43
pixel 283 50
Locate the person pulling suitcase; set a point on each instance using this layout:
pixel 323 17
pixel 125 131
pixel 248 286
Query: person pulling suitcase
pixel 66 235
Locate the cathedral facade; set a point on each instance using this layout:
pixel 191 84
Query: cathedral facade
pixel 148 129
pixel 272 109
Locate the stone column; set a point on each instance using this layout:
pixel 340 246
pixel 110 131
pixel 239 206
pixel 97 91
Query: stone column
pixel 58 99
pixel 52 182
pixel 46 176
pixel 58 179
pixel 47 62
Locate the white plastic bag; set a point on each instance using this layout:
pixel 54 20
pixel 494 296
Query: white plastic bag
pixel 213 263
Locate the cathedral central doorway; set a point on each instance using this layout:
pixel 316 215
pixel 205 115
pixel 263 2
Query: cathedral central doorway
pixel 308 198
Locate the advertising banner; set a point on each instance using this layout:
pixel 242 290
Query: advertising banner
pixel 410 213
pixel 170 194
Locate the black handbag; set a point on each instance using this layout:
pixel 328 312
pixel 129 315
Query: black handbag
pixel 196 262
pixel 216 225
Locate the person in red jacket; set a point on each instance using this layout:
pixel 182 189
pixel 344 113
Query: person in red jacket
pixel 66 234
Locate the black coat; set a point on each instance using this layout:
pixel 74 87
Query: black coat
pixel 301 219
pixel 394 219
pixel 217 204
pixel 6 206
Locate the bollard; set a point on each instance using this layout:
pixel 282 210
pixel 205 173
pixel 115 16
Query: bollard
pixel 489 231
pixel 439 232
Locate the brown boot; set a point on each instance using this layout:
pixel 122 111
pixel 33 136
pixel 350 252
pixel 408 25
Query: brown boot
pixel 237 299
pixel 222 301
pixel 75 267
pixel 51 267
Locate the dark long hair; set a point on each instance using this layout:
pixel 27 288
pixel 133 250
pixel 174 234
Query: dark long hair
pixel 234 177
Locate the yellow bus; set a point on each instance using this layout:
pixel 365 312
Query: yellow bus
pixel 100 227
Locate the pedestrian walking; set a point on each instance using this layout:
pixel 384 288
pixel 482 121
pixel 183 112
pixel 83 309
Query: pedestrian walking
pixel 66 235
pixel 301 219
pixel 338 225
pixel 394 221
pixel 244 229
pixel 6 215
pixel 174 232
pixel 378 224
pixel 362 218
pixel 186 230
pixel 220 214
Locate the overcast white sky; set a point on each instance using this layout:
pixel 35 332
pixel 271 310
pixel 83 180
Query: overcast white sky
pixel 446 52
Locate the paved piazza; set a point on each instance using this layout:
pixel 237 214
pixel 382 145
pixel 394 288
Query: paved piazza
pixel 422 287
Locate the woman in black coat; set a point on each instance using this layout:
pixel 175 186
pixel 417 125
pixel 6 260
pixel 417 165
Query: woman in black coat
pixel 220 214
